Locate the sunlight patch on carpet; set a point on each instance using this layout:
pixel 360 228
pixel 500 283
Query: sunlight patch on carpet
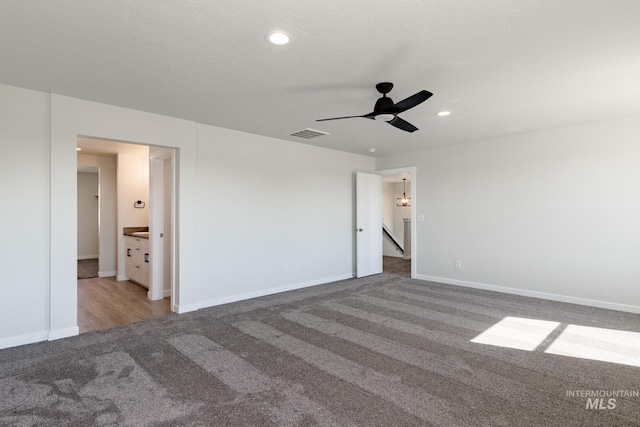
pixel 584 342
pixel 517 332
pixel 606 345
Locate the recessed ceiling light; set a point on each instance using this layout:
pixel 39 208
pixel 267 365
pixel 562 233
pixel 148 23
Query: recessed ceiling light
pixel 278 37
pixel 372 150
pixel 78 149
pixel 443 113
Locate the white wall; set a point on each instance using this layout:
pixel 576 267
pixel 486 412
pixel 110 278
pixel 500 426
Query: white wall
pixel 87 215
pixel 132 185
pixel 272 214
pixel 388 218
pixel 108 216
pixel 297 208
pixel 551 214
pixel 388 204
pixel 24 233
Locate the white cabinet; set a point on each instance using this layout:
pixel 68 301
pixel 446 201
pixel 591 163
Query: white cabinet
pixel 136 264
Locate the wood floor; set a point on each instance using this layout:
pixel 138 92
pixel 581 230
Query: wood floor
pixel 105 303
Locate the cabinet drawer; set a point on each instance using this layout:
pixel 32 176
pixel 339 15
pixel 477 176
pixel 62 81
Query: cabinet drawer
pixel 136 241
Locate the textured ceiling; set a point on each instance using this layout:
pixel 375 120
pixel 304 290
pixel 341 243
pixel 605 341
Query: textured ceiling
pixel 501 67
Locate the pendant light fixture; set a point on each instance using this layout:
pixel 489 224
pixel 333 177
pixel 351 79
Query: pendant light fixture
pixel 404 200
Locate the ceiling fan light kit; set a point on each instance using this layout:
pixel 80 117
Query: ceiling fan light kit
pixel 385 110
pixel 384 117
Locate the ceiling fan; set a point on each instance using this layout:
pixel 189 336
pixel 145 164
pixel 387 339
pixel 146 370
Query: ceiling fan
pixel 385 110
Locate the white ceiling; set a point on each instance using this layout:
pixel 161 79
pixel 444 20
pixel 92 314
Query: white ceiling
pixel 502 66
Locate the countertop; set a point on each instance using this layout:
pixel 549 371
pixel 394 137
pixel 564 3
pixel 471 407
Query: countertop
pixel 140 232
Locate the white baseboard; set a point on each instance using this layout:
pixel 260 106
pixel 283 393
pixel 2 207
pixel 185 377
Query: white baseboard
pixel 535 294
pixel 167 293
pixel 81 257
pixel 261 293
pixel 107 273
pixel 63 333
pixel 22 340
pixel 121 278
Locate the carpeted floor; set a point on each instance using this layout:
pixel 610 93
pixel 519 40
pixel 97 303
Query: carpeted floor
pixel 379 351
pixel 396 265
pixel 87 268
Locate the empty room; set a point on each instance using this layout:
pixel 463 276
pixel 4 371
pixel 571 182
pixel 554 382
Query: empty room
pixel 337 213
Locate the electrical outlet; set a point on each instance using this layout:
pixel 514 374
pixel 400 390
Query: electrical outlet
pixel 458 264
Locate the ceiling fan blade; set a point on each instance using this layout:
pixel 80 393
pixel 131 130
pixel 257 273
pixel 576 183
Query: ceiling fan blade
pixel 337 118
pixel 411 101
pixel 402 124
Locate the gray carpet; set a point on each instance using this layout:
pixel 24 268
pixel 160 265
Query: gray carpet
pixel 379 351
pixel 87 268
pixel 396 265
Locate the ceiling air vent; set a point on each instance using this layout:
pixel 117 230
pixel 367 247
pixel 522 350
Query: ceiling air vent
pixel 309 133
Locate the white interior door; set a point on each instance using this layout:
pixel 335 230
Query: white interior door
pixel 368 224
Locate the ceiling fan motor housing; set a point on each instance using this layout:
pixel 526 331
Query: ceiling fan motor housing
pixel 383 103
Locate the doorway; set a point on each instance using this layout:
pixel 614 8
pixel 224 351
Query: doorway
pixel 125 202
pixel 88 222
pixel 398 214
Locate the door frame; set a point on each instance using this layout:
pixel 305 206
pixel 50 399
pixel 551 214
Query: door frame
pixel 157 182
pixel 412 170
